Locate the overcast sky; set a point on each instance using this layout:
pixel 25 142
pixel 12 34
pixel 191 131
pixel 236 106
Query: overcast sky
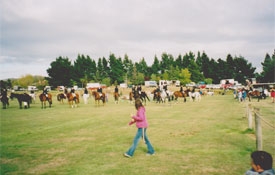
pixel 35 32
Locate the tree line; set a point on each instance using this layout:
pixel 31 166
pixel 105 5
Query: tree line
pixel 115 70
pixel 185 68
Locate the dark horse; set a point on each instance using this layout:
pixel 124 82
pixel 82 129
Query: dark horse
pixel 73 99
pixel 22 98
pixel 142 96
pixel 255 93
pixel 116 96
pixel 43 98
pixel 4 99
pixel 60 97
pixel 99 97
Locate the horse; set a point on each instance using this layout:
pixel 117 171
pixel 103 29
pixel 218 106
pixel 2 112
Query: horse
pixel 60 97
pixel 5 101
pixel 183 94
pixel 43 98
pixel 99 97
pixel 116 96
pixel 73 100
pixel 195 96
pixel 255 93
pixel 160 96
pixel 141 95
pixel 26 98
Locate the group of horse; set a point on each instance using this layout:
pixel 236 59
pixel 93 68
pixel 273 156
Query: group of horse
pixel 159 96
pixel 162 95
pixel 25 99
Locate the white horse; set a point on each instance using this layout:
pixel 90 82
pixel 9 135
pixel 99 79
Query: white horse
pixel 164 95
pixel 195 96
pixel 85 98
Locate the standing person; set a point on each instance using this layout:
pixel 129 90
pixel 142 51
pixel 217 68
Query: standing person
pixel 141 124
pixel 272 94
pixel 244 94
pixel 261 163
pixel 240 95
pixel 86 95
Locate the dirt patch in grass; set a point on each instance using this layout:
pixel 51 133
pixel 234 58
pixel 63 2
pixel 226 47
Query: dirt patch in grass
pixel 43 168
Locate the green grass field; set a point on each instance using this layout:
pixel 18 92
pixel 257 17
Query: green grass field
pixel 207 137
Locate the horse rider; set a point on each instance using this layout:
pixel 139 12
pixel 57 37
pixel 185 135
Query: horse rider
pixel 249 85
pixel 86 91
pixel 65 91
pixel 99 90
pixel 45 92
pixel 133 88
pixel 165 89
pixel 73 92
pixel 139 89
pixel 116 89
pixel 161 86
pixel 181 90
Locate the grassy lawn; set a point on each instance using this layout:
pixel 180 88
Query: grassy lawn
pixel 207 137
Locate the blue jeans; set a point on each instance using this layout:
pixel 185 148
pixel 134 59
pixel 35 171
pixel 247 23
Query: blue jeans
pixel 139 134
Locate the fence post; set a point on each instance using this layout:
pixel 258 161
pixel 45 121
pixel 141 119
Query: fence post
pixel 249 112
pixel 259 143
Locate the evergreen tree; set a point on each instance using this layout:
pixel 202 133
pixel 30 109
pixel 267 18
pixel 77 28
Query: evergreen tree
pixel 60 72
pixel 268 73
pixel 116 69
pixel 156 66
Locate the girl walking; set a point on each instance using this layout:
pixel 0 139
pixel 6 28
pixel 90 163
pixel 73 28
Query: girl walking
pixel 141 124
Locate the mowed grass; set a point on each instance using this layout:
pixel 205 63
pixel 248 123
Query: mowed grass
pixel 207 137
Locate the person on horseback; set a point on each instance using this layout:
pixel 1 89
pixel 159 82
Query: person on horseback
pixel 73 92
pixel 45 91
pixel 249 85
pixel 139 89
pixel 181 90
pixel 99 90
pixel 133 89
pixel 165 89
pixel 116 89
pixel 161 86
pixel 86 91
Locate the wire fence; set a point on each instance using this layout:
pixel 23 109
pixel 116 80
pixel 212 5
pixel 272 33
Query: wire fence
pixel 253 111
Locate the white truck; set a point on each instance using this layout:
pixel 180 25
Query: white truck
pixel 150 84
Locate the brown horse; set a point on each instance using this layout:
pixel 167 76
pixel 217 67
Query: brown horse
pixel 60 97
pixel 98 97
pixel 43 98
pixel 183 94
pixel 73 99
pixel 116 96
pixel 255 93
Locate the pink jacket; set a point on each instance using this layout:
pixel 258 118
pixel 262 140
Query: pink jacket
pixel 140 118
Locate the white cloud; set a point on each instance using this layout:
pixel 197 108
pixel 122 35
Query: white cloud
pixel 38 31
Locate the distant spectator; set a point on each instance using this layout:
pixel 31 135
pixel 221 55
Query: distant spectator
pixel 272 94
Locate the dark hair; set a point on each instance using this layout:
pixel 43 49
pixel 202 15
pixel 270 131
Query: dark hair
pixel 263 159
pixel 138 103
